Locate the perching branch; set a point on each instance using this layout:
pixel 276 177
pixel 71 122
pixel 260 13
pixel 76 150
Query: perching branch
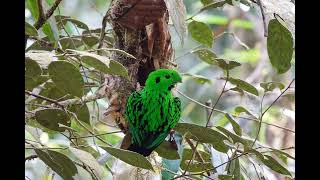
pixel 44 98
pixel 43 17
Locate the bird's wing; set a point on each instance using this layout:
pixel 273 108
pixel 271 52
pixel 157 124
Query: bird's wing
pixel 134 115
pixel 171 120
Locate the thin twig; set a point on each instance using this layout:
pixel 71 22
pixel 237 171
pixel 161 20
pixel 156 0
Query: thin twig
pixel 44 17
pixel 82 125
pixel 44 98
pixel 103 28
pixel 223 112
pixel 262 114
pixel 96 135
pixel 208 120
pixel 263 18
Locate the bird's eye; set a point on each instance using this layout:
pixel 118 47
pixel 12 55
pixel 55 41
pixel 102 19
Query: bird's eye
pixel 157 79
pixel 167 76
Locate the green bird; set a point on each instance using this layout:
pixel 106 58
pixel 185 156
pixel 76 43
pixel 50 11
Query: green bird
pixel 152 112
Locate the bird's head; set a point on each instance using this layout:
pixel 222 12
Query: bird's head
pixel 163 79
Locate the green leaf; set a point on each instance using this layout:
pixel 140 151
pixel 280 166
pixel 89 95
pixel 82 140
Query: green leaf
pixel 51 118
pixel 33 7
pixel 201 33
pixel 166 150
pixel 70 43
pixel 258 154
pixel 213 5
pixel 198 78
pixel 51 30
pixel 236 89
pixel 206 2
pixel 66 77
pixel 88 159
pixel 240 109
pixel 235 138
pixel 204 135
pixel 234 168
pixel 129 157
pixel 279 152
pixel 196 165
pixel 225 177
pixel 274 165
pixel 226 65
pixel 64 19
pixel 103 64
pixel 51 91
pixel 243 85
pixel 279 45
pixel 33 76
pixel 32 68
pixel 90 40
pixel 58 162
pixel 30 30
pixel 82 112
pixel 206 55
pixel 84 145
pixel 270 86
pixel 236 127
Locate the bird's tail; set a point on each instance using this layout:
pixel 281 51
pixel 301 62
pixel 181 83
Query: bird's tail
pixel 145 152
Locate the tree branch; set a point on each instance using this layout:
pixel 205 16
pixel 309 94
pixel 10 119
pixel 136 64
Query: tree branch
pixel 43 17
pixel 263 18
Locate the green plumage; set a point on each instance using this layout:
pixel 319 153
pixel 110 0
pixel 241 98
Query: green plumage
pixel 153 112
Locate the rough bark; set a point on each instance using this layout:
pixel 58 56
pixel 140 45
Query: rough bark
pixel 141 29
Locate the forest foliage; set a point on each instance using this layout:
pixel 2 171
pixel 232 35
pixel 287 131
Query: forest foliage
pixel 64 71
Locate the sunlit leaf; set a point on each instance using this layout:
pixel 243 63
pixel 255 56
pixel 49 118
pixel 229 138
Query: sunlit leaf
pixel 206 55
pixel 274 165
pixel 70 43
pixel 225 177
pixel 196 165
pixel 243 85
pixel 33 7
pixel 236 127
pixel 235 138
pixel 51 118
pixel 88 160
pixel 198 78
pixel 213 5
pixel 240 109
pixel 270 86
pixel 66 77
pixel 65 19
pixel 30 30
pixel 201 33
pixel 129 157
pixel 233 168
pixel 279 45
pixel 102 63
pixel 82 112
pixel 227 65
pixel 51 30
pixel 58 162
pixel 204 135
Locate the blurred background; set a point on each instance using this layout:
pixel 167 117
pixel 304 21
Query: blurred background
pixel 246 24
